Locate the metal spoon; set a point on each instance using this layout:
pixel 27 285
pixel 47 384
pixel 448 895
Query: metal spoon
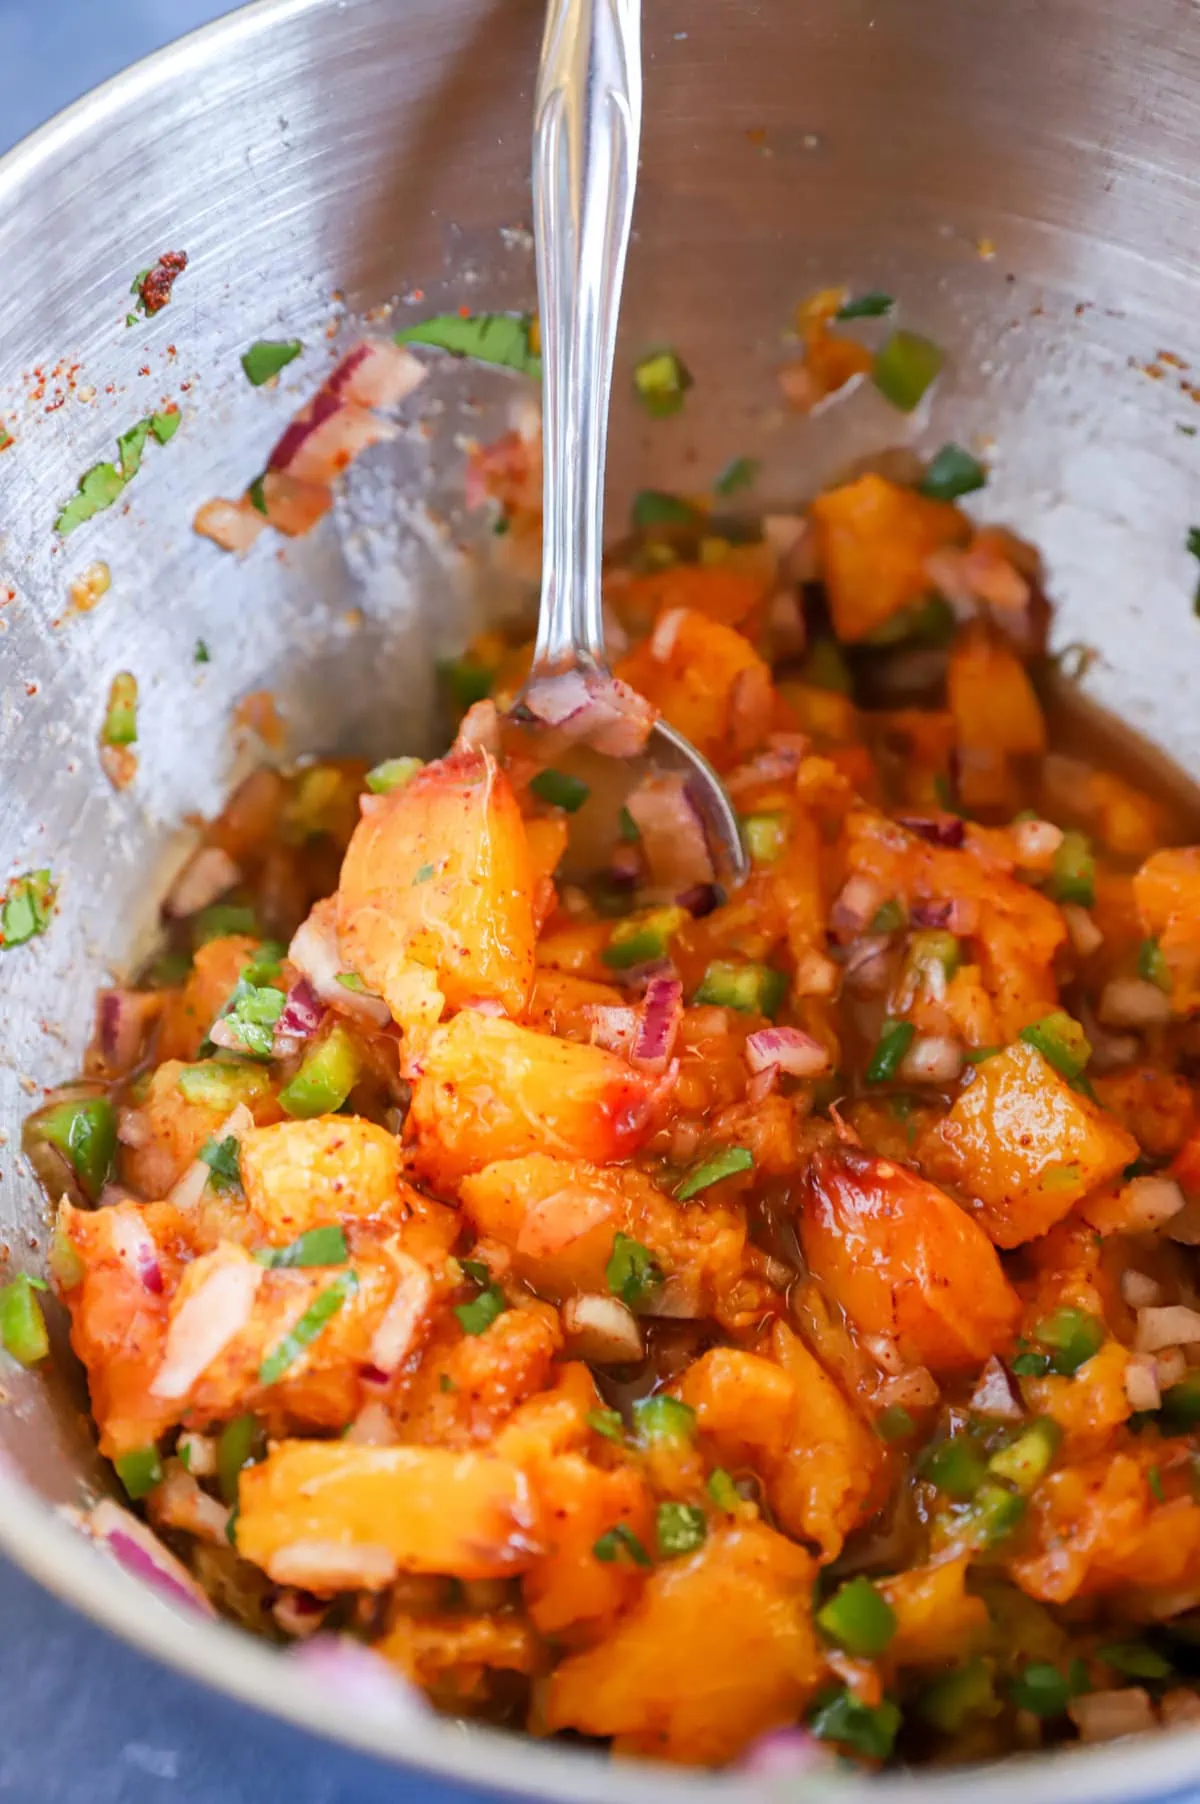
pixel 587 125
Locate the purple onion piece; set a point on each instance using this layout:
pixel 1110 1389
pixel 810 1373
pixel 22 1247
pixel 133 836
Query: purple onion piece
pixel 356 1676
pixel 301 1016
pixel 701 899
pixel 783 1752
pixel 662 1008
pixel 942 830
pixel 931 914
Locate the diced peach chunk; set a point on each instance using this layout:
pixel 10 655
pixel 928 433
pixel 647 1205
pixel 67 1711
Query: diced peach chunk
pixel 937 1620
pixel 426 1509
pixel 1167 893
pixel 435 895
pixel 301 1174
pixel 709 683
pixel 559 1217
pixel 490 1089
pixel 873 541
pixel 905 1261
pixel 1024 1146
pixel 568 1589
pixel 167 1131
pixel 190 1012
pixel 718 1649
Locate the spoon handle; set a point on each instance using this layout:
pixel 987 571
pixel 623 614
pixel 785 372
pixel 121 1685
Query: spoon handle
pixel 587 124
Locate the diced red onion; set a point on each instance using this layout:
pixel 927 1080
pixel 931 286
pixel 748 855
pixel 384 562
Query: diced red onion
pixel 1148 1202
pixel 866 964
pixel 376 372
pixel 701 899
pixel 994 1394
pixel 233 525
pixel 761 1085
pixel 1133 1002
pixel 666 631
pixel 787 1048
pixel 856 905
pixel 1173 1325
pixel 602 1329
pixel 637 978
pixel 139 1550
pixel 816 975
pixel 341 1667
pixel 123 1019
pixel 932 1059
pixel 658 1023
pixel 135 1247
pixel 613 1028
pixel 931 913
pixel 373 1426
pixel 479 728
pixel 778 764
pixel 1139 1290
pixel 207 1320
pixel 324 438
pixel 674 843
pixel 1082 930
pixel 783 1753
pixel 302 1014
pixel 1107 1715
pixel 595 708
pixel 314 952
pixel 915 1389
pixel 941 830
pixel 1141 1382
pixel 625 866
pixel 402 1320
pixel 208 875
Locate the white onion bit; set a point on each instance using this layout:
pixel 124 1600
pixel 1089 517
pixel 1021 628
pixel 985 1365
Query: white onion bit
pixel 994 1394
pixel 1107 1715
pixel 602 1329
pixel 1148 1202
pixel 1141 1382
pixel 1139 1291
pixel 1133 1002
pixel 1172 1326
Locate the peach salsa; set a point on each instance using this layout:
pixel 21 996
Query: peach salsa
pixel 755 1327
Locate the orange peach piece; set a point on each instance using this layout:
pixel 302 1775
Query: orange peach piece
pixel 873 539
pixel 718 1649
pixel 490 1089
pixel 903 1260
pixel 992 701
pixel 468 1386
pixel 559 1217
pixel 568 1589
pixel 709 683
pixel 171 1130
pixel 937 1620
pixel 1167 893
pixel 435 895
pixel 1024 1146
pixel 426 1509
pixel 300 1174
pixel 449 1654
pixel 190 1012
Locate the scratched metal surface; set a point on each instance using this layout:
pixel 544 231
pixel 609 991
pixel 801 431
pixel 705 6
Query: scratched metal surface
pixel 366 147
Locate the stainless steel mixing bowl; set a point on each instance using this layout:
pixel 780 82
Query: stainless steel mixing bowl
pixel 304 149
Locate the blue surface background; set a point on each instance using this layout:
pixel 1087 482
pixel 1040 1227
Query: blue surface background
pixel 84 1719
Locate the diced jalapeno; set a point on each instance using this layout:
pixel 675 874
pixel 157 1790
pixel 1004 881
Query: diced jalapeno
pixel 139 1471
pixel 1073 872
pixel 644 939
pixel 765 836
pixel 1072 1337
pixel 393 774
pixel 679 1528
pixel 894 1040
pixel 1041 1689
pixel 663 1418
pixel 237 1448
pixel 1026 1460
pixel 753 989
pixel 905 366
pixel 951 1700
pixel 866 1729
pixel 661 381
pixel 954 1466
pixel 859 1618
pixel 22 1324
pixel 952 472
pixel 560 789
pixel 222 1084
pixel 1061 1042
pixel 1152 965
pixel 328 1073
pixel 84 1131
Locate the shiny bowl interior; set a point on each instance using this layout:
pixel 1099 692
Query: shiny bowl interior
pixel 1023 178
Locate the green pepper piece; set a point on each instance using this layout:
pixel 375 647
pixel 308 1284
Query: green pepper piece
pixel 1136 1660
pixel 22 1324
pixel 722 1490
pixel 560 789
pixel 266 357
pixel 739 473
pixel 752 989
pixel 951 1700
pixel 766 836
pixel 994 1512
pixel 393 774
pixel 1041 1689
pixel 1025 1461
pixel 1152 965
pixel 328 1073
pixel 894 1040
pixel 653 507
pixel 478 1315
pixel 889 917
pixel 236 1449
pixel 27 908
pixel 221 919
pixel 1181 1405
pixel 905 366
pixel 639 941
pixel 933 947
pixel 952 472
pixel 84 1131
pixel 661 380
pixel 139 1471
pixel 859 1618
pixel 725 1164
pixel 1072 1337
pixel 1061 1042
pixel 680 1528
pixel 663 1418
pixel 872 305
pixel 606 1422
pixel 120 719
pixel 954 1466
pixel 222 1083
pixel 467 680
pixel 1073 871
pixel 894 1423
pixel 869 1730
